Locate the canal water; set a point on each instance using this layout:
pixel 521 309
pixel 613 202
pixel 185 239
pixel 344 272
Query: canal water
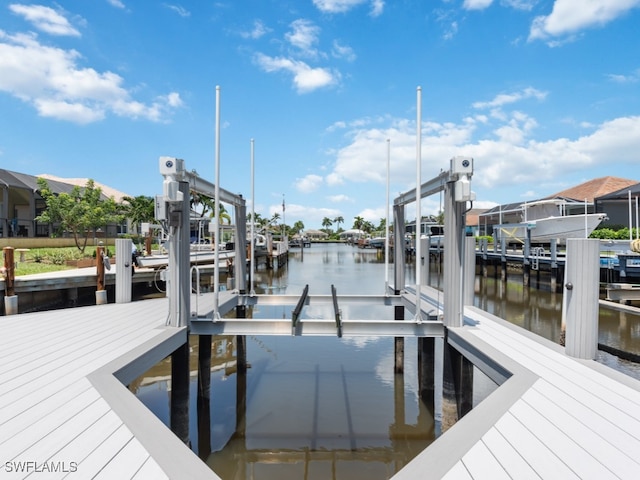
pixel 328 407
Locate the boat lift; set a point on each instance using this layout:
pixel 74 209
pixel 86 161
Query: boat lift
pixel 173 204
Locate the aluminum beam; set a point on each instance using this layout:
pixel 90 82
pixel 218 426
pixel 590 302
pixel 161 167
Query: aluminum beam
pixel 431 187
pixel 315 327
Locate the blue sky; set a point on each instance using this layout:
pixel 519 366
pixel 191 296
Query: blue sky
pixel 543 94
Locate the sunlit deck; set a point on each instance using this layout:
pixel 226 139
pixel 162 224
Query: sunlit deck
pixel 64 407
pixel 555 416
pixel 64 404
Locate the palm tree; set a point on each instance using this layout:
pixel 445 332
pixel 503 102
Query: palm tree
pixel 338 220
pixel 298 226
pixel 358 222
pixel 140 209
pixel 208 207
pixel 326 223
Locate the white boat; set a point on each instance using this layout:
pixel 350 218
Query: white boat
pixel 546 220
pixel 200 255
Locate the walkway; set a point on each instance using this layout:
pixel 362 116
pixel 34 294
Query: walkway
pixel 64 407
pixel 555 417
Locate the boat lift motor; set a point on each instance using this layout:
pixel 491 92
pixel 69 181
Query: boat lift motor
pixel 462 168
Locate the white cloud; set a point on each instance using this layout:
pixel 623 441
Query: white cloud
pixel 507 155
pixel 340 198
pixel 343 51
pixel 305 78
pixel 308 184
pixel 45 19
pixel 568 17
pixel 180 10
pixel 51 80
pixel 476 4
pixel 259 30
pixel 507 98
pixel 526 5
pixel 304 36
pixel 311 215
pixel 618 78
pixel 116 3
pixel 342 6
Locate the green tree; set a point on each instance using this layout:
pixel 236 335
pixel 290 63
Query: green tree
pixel 298 227
pixel 206 206
pixel 138 209
pixel 358 222
pixel 79 212
pixel 338 220
pixel 326 223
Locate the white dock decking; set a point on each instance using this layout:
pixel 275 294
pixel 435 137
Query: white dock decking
pixel 555 418
pixel 64 409
pixel 64 405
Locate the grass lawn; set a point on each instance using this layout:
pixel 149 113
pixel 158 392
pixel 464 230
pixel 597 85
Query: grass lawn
pixel 42 260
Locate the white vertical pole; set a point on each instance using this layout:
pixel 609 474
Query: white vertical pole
pixel 216 217
pixel 586 226
pixel 630 218
pixel 418 316
pixel 253 222
pixel 637 220
pixel 386 228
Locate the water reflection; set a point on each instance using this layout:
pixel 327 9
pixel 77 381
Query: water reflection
pixel 302 407
pixel 320 405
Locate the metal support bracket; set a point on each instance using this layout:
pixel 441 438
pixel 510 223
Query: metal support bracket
pixel 336 311
pixel 295 315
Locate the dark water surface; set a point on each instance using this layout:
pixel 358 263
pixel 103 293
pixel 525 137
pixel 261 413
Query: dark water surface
pixel 328 407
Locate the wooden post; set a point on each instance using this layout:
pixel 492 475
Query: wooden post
pixel 554 265
pixel 147 244
pixel 179 416
pixel 10 271
pixel 457 394
pixel 426 371
pixel 398 343
pixel 580 300
pixel 100 267
pixel 10 298
pixel 204 396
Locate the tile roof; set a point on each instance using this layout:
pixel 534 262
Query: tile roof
pixel 595 188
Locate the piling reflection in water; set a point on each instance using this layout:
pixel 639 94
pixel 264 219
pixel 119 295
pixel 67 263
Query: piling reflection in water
pixel 305 407
pixel 319 408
